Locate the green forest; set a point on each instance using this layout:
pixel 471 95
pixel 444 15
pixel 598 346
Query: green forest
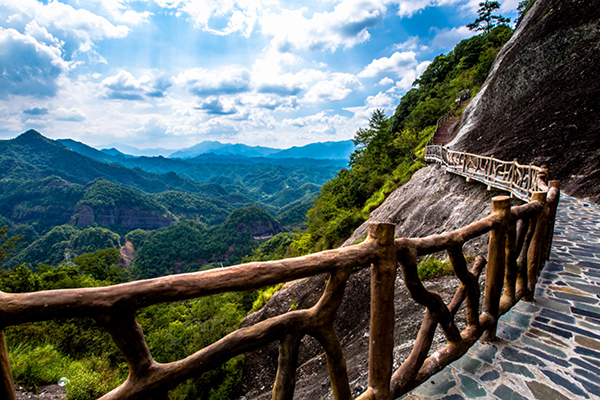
pixel 50 241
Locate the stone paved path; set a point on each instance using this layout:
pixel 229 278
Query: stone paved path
pixel 551 347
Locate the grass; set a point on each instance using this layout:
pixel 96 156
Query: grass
pixel 89 378
pixel 264 295
pixel 431 267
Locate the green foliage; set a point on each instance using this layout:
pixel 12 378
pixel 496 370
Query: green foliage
pixel 105 194
pixel 8 245
pixel 137 237
pixel 190 206
pixel 36 366
pixel 264 295
pixel 431 267
pixel 486 21
pixel 187 246
pixel 273 249
pixel 389 151
pixel 89 378
pixel 63 241
pixel 103 265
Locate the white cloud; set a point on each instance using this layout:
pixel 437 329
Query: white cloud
pixel 220 17
pixel 385 81
pixel 202 82
pixel 347 25
pixel 217 106
pixel 448 38
pixel 362 114
pixel 398 64
pixel 412 43
pixel 119 11
pixel 73 114
pixel 409 77
pixel 124 86
pixel 406 8
pixel 28 66
pixel 68 23
pixel 338 87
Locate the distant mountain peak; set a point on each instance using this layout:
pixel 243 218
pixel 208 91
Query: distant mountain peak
pixel 31 134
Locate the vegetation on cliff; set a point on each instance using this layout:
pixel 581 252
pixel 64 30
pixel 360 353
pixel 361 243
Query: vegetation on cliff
pixel 389 151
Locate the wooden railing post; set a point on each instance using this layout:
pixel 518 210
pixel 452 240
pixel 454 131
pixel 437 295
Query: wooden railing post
pixel 494 277
pixel 7 388
pixel 381 335
pixel 552 219
pixel 535 253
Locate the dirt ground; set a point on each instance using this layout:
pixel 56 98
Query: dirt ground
pixel 51 392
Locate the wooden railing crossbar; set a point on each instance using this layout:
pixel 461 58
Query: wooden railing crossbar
pixel 519 243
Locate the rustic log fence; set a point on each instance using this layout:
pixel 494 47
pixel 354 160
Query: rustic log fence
pixel 519 244
pixel 520 180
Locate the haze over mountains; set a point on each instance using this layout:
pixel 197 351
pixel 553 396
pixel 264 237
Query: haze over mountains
pixel 340 150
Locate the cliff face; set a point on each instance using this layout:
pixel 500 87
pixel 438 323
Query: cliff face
pixel 541 101
pixel 120 216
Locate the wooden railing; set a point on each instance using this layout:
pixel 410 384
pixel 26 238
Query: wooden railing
pixel 520 180
pixel 519 244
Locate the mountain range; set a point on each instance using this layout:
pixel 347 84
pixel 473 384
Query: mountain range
pixel 340 150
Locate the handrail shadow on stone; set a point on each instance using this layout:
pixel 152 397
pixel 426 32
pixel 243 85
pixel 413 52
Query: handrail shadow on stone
pixel 518 246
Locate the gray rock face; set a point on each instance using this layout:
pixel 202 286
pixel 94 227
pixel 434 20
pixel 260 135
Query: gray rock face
pixel 431 203
pixel 541 100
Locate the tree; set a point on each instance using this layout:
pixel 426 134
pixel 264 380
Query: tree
pixel 486 20
pixel 8 246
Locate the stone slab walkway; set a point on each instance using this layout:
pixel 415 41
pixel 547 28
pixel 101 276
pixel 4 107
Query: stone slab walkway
pixel 550 349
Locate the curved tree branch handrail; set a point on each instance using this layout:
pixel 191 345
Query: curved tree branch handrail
pixel 520 239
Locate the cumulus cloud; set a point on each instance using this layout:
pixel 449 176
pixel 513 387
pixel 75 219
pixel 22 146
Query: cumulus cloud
pixel 73 115
pixel 219 17
pixel 409 77
pixel 347 25
pixel 447 38
pixel 201 82
pixel 385 81
pixel 62 20
pixel 124 86
pixel 406 8
pixel 216 106
pixel 28 67
pixel 338 87
pixel 398 64
pixel 36 111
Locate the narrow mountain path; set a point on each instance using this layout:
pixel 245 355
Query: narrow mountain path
pixel 549 349
pixel 444 134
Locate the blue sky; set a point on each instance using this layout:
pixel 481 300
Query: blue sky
pixel 172 73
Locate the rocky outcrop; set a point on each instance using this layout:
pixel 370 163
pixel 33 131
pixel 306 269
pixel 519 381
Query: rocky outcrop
pixel 541 101
pixel 433 202
pixel 260 230
pixel 120 216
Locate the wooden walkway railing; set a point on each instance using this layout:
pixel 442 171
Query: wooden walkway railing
pixel 520 180
pixel 519 244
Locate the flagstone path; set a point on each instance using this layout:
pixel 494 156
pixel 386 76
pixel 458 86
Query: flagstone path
pixel 550 349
